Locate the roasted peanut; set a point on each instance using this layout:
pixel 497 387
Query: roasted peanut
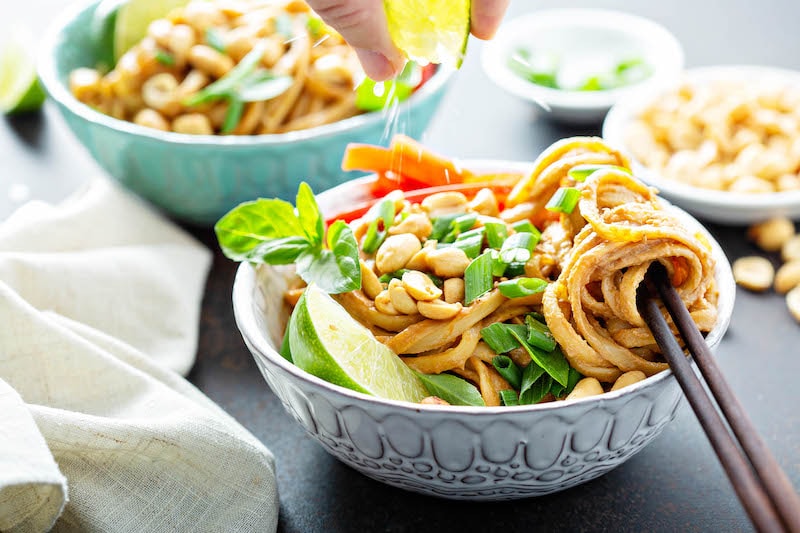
pixel 791 249
pixel 518 212
pixel 151 118
pixel 485 203
pixel 438 309
pixel 585 388
pixel 193 82
pixel 416 223
pixel 454 290
pixel 788 276
pixel 159 30
pixel 793 302
pixel 420 287
pixel 159 93
pixel 370 283
pixel 209 60
pixel 419 261
pixel 180 41
pixel 203 15
pixel 753 273
pixel 433 400
pixel 192 123
pixel 628 378
pixel 396 251
pixel 383 303
pixel 401 300
pixel 448 262
pixel 444 203
pixel 771 234
pixel 85 84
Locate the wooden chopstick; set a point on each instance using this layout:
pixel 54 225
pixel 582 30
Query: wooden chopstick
pixel 770 501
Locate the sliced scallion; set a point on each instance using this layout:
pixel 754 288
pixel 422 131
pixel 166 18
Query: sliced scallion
pixel 471 245
pixel 530 375
pixel 165 58
pixel 478 279
pixel 581 172
pixel 520 287
pixel 472 233
pixel 537 391
pixel 564 200
pixel 441 226
pixel 498 266
pixel 554 362
pixel 215 40
pixel 515 269
pixel 499 338
pixel 460 225
pixel 509 398
pixel 518 248
pixel 508 369
pixel 375 234
pixel 539 335
pixel 524 226
pixel 397 274
pixel 496 234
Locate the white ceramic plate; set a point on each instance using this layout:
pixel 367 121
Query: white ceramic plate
pixel 718 206
pixel 587 35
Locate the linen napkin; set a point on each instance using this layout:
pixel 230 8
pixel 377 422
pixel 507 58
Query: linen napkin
pixel 99 309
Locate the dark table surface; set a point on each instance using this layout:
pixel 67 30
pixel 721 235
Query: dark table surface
pixel 675 484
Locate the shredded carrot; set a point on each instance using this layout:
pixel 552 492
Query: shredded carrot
pixel 366 157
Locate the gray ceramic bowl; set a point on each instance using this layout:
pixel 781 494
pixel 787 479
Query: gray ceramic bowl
pixel 478 453
pixel 198 178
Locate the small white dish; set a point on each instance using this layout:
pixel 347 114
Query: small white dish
pixel 593 36
pixel 717 206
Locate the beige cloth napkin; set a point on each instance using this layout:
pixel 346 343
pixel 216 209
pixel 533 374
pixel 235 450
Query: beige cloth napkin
pixel 99 309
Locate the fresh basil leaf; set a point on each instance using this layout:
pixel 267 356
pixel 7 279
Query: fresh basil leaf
pixel 247 227
pixel 554 363
pixel 537 391
pixel 498 336
pixel 283 251
pixel 336 270
pixel 233 115
pixel 264 85
pixel 452 389
pixel 530 374
pixel 309 214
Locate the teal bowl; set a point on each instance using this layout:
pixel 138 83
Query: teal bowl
pixel 198 178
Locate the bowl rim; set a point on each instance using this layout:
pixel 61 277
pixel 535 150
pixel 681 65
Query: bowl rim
pixel 494 55
pixel 256 339
pixel 622 113
pixel 48 74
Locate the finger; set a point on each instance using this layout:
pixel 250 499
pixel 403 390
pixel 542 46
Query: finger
pixel 487 16
pixel 363 25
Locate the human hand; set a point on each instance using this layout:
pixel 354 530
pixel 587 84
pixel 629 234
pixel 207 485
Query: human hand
pixel 363 25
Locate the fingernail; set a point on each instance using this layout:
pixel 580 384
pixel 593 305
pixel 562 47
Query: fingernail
pixel 375 64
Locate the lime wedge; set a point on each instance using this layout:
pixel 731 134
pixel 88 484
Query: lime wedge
pixel 19 87
pixel 330 344
pixel 430 31
pixel 133 19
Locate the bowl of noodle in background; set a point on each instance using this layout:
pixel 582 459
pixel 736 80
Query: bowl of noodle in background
pixel 198 178
pixel 458 452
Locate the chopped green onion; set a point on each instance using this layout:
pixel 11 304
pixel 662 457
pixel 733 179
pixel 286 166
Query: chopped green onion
pixel 554 363
pixel 472 233
pixel 499 338
pixel 536 392
pixel 564 200
pixel 478 279
pixel 397 274
pixel 581 172
pixel 524 226
pixel 496 234
pixel 215 40
pixel 165 58
pixel 514 270
pixel 539 334
pixel 559 391
pixel 375 236
pixel 520 287
pixel 441 225
pixel 518 248
pixel 459 226
pixel 232 115
pixel 509 398
pixel 498 266
pixel 530 375
pixel 315 26
pixel 283 25
pixel 537 316
pixel 471 246
pixel 508 369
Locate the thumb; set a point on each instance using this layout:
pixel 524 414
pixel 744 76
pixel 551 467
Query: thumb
pixel 363 25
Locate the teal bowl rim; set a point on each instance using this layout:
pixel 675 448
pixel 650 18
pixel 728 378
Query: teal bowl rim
pixel 58 91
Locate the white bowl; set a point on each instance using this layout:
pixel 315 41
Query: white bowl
pixel 593 35
pixel 478 453
pixel 718 206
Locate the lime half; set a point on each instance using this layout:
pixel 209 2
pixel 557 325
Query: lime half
pixel 134 17
pixel 327 342
pixel 20 90
pixel 430 31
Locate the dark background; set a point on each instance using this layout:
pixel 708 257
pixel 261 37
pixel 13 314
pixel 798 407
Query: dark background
pixel 675 484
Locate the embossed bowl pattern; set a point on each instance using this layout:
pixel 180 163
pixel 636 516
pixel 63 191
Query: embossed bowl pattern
pixel 459 452
pixel 198 178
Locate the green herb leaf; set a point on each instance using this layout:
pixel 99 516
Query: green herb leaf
pixel 309 215
pixel 509 398
pixel 564 200
pixel 451 389
pixel 215 40
pixel 554 363
pixel 508 369
pixel 315 26
pixel 460 225
pixel 397 274
pixel 530 374
pixel 478 278
pixel 537 391
pixel 226 86
pixel 498 336
pixel 263 85
pixel 521 287
pixel 335 270
pixel 232 115
pixel 244 230
pixel 283 25
pixel 582 172
pixel 283 251
pixel 539 335
pixel 165 58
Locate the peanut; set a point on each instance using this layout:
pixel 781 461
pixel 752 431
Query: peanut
pixel 448 262
pixel 788 276
pixel 396 251
pixel 438 309
pixel 628 378
pixel 753 273
pixel 771 234
pixel 370 283
pixel 585 388
pixel 420 287
pixel 453 290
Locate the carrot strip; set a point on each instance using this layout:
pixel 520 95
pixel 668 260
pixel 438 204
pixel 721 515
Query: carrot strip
pixel 366 157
